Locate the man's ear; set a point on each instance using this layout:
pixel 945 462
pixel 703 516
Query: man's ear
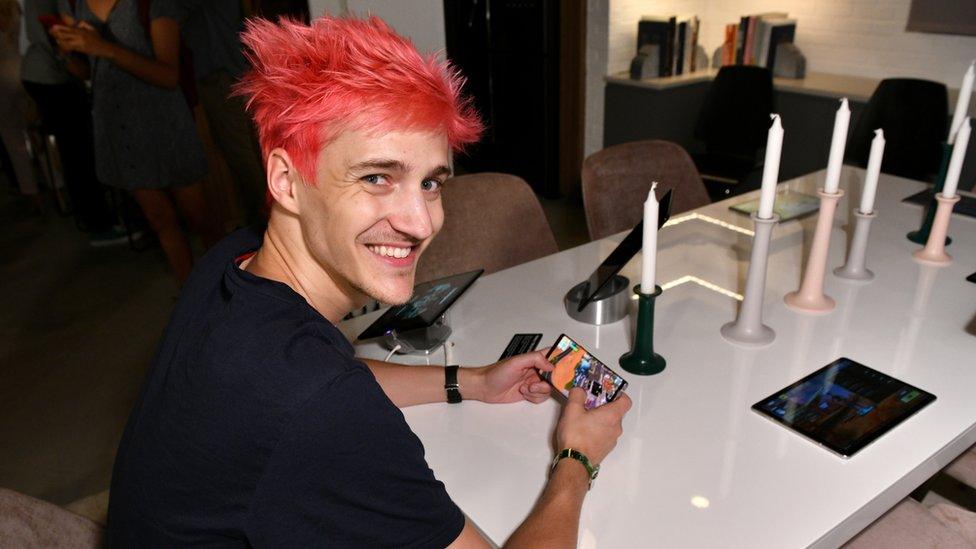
pixel 283 180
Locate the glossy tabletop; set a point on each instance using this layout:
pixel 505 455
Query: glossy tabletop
pixel 696 467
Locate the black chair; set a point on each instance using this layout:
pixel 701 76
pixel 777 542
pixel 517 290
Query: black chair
pixel 913 114
pixel 733 124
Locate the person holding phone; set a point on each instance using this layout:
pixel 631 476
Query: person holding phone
pixel 257 425
pixel 146 141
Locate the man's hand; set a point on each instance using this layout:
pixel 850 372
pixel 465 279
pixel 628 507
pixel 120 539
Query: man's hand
pixel 514 379
pixel 593 432
pixel 82 38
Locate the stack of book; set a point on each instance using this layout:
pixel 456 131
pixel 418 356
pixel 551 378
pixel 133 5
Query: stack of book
pixel 675 39
pixel 753 40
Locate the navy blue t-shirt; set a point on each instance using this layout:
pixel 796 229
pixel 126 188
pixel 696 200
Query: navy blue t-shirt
pixel 257 426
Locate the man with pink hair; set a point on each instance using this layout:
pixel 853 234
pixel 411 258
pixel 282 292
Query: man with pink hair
pixel 257 425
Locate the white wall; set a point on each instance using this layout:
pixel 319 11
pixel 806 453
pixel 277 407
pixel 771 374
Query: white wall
pixel 420 20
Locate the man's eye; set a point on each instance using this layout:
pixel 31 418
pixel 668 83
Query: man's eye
pixel 430 185
pixel 374 179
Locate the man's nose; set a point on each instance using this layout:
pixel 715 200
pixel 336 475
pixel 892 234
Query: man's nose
pixel 411 215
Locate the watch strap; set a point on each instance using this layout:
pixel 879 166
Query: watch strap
pixel 451 384
pixel 591 470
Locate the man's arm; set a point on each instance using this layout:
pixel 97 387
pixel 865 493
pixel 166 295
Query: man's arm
pixel 554 521
pixel 510 380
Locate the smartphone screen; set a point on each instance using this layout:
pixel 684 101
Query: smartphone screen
pixel 49 20
pixel 575 367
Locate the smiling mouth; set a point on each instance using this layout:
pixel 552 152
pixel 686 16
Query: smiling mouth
pixel 394 252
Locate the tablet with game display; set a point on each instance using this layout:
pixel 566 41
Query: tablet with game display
pixel 844 406
pixel 430 300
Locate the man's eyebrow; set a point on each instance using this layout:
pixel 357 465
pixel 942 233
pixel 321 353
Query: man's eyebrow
pixel 441 170
pixel 379 164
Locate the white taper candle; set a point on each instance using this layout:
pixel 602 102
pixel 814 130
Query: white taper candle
pixel 837 144
pixel 874 168
pixel 962 102
pixel 649 246
pixel 774 147
pixel 955 163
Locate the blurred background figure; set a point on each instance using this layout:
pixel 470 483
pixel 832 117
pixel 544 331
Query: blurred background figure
pixel 62 103
pixel 210 31
pixel 13 104
pixel 145 137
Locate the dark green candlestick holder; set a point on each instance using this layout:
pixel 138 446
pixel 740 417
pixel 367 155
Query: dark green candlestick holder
pixel 642 360
pixel 921 236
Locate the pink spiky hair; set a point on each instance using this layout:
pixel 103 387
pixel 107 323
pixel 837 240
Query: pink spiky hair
pixel 307 83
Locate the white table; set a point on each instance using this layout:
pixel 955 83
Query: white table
pixel 695 466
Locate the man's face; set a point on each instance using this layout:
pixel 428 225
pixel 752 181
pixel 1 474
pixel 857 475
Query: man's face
pixel 375 208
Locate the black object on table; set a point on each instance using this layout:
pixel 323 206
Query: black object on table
pixel 966 206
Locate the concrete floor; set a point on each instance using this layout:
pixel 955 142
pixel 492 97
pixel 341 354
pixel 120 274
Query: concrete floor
pixel 78 327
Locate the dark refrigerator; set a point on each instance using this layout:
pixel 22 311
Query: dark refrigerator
pixel 509 52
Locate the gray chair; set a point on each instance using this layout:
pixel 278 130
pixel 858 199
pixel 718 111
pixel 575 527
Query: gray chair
pixel 909 525
pixel 30 522
pixel 492 221
pixel 616 181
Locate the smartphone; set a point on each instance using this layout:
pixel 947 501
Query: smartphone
pixel 49 20
pixel 574 366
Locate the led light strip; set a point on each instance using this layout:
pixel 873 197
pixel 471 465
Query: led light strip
pixel 707 219
pixel 703 283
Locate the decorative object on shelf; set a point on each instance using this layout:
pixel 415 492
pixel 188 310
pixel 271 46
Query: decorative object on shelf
pixel 642 360
pixel 790 62
pixel 747 329
pixel 645 64
pixel 810 297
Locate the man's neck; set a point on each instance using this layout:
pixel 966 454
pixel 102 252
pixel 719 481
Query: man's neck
pixel 288 262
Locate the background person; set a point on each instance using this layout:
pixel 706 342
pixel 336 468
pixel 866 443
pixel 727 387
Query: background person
pixel 63 105
pixel 145 139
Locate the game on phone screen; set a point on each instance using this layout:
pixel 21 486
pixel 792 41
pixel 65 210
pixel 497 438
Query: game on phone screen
pixel 575 367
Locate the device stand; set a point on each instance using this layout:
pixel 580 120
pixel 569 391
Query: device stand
pixel 921 236
pixel 422 341
pixel 854 269
pixel 747 329
pixel 934 251
pixel 810 297
pixel 642 360
pixel 609 305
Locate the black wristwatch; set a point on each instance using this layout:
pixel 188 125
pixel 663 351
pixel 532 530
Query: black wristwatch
pixel 451 384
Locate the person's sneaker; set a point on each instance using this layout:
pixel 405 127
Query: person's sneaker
pixel 112 237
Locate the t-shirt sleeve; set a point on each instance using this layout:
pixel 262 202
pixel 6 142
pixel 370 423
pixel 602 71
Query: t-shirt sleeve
pixel 165 8
pixel 348 472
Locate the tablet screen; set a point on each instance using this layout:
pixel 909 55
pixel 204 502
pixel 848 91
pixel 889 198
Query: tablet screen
pixel 844 405
pixel 430 300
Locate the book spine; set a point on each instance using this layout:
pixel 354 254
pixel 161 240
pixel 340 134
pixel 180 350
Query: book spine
pixel 748 58
pixel 740 39
pixel 680 54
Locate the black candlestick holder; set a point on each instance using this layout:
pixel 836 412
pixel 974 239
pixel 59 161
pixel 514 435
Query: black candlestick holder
pixel 642 360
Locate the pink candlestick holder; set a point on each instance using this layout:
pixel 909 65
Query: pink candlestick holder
pixel 810 297
pixel 934 251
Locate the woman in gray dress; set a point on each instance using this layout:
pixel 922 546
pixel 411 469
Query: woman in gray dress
pixel 145 137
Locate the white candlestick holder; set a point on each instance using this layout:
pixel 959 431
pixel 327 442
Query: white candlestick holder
pixel 747 329
pixel 854 268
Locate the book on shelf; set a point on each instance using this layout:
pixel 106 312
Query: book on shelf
pixel 753 40
pixel 676 38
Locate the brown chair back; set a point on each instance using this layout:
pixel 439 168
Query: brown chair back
pixel 616 181
pixel 492 221
pixel 30 522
